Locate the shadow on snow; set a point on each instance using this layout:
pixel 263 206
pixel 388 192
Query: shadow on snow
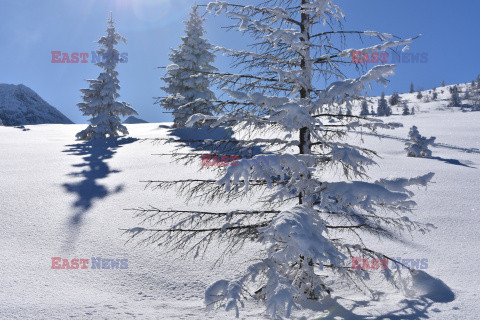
pixel 92 169
pixel 429 291
pixel 231 148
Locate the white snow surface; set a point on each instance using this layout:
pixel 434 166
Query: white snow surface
pixel 61 199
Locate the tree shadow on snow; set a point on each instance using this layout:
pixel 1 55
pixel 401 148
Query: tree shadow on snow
pixel 91 171
pixel 190 137
pixel 429 291
pixel 451 161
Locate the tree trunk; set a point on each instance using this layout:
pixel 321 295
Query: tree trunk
pixel 305 143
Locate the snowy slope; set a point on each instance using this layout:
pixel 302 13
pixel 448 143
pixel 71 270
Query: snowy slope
pixel 61 198
pixel 20 105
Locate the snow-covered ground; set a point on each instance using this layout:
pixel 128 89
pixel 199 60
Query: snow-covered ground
pixel 59 198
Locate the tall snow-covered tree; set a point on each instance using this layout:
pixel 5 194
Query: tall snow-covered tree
pixel 418 144
pixel 187 83
pixel 100 99
pixel 394 99
pixel 383 109
pixel 364 109
pixel 406 111
pixel 412 88
pixel 455 100
pixel 306 222
pixel 349 108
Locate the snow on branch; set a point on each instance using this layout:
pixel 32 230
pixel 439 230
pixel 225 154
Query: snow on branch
pixel 338 91
pixel 379 47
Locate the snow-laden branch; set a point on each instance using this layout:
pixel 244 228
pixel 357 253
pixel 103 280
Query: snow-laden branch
pixel 379 47
pixel 339 90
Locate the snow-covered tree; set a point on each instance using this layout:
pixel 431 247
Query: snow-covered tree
pixel 419 95
pixel 394 99
pixel 405 112
pixel 349 108
pixel 340 113
pixel 383 109
pixel 434 95
pixel 308 225
pixel 412 88
pixel 100 99
pixel 443 83
pixel 455 100
pixel 467 94
pixel 418 145
pixel 187 83
pixel 364 111
pixel 413 111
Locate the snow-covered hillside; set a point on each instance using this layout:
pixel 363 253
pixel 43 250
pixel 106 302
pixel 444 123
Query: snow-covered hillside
pixel 134 120
pixel 64 198
pixel 20 105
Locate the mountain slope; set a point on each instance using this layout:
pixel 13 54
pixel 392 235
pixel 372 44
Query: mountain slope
pixel 134 120
pixel 20 105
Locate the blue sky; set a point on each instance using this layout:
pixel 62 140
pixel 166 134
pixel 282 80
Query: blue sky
pixel 31 29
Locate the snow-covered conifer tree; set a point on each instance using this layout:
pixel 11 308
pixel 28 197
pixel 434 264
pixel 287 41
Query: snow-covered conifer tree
pixel 413 111
pixel 187 83
pixel 309 226
pixel 349 108
pixel 100 100
pixel 419 95
pixel 418 145
pixel 412 88
pixel 434 95
pixel 443 83
pixel 455 100
pixel 394 99
pixel 364 111
pixel 405 112
pixel 383 109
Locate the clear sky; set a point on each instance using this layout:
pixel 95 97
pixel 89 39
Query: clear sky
pixel 31 29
